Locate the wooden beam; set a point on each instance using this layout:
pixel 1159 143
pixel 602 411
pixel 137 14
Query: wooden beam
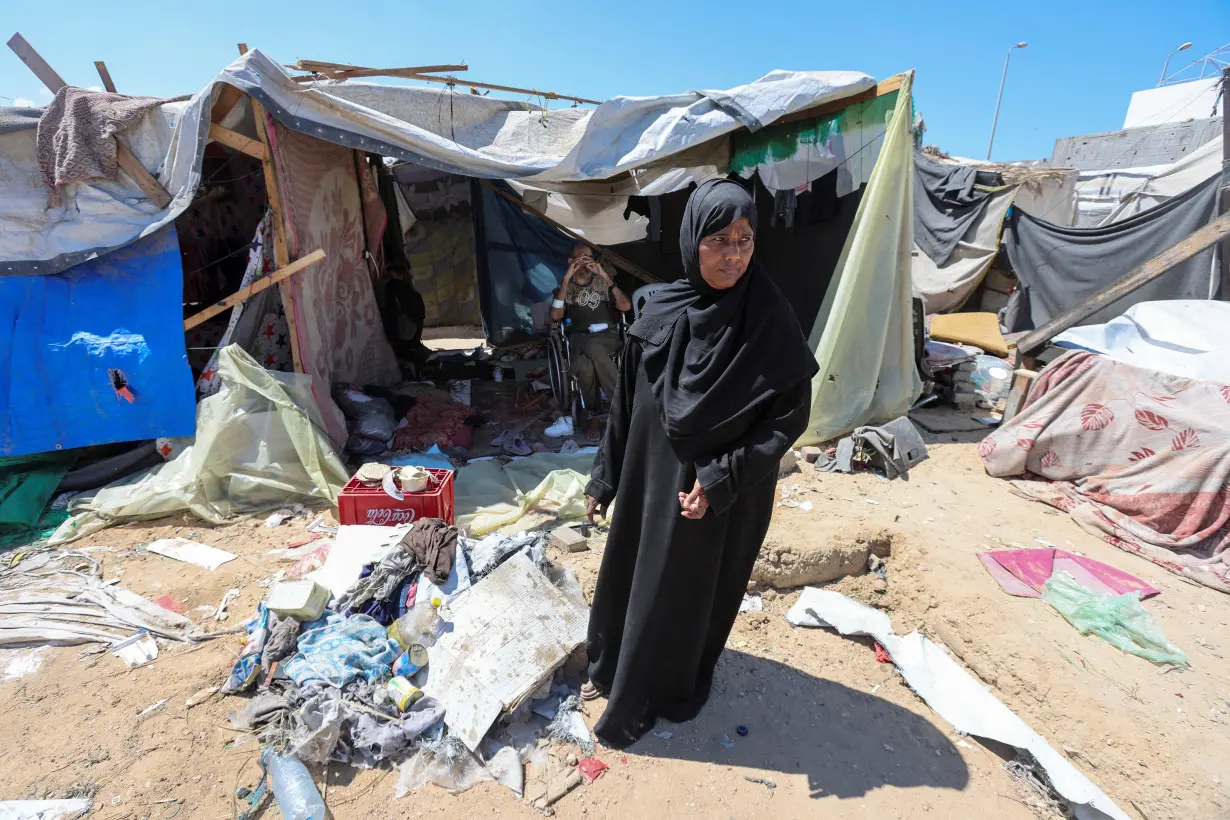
pixel 1189 246
pixel 253 288
pixel 883 87
pixel 46 74
pixel 105 76
pixel 619 261
pixel 408 73
pixel 243 48
pixel 146 181
pixel 281 254
pixel 124 157
pixel 449 80
pixel 239 142
pixel 229 96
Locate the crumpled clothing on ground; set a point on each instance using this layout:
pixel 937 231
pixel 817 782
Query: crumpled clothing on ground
pixel 247 668
pixel 490 552
pixel 433 543
pixel 341 651
pixel 344 726
pixel 258 711
pixel 283 637
pixel 384 580
pixel 894 447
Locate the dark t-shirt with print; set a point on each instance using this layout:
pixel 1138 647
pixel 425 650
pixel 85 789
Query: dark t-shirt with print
pixel 590 304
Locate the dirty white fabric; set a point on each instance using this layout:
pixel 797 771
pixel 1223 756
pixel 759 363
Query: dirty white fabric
pixel 953 693
pixel 449 130
pixel 57 598
pixel 1113 195
pixel 1184 337
pixel 947 287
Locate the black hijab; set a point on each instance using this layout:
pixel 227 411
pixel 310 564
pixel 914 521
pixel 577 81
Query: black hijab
pixel 712 356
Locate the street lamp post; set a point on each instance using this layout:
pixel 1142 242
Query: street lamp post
pixel 1166 65
pixel 1000 98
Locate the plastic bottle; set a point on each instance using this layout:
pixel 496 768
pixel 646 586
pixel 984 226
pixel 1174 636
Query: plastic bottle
pixel 297 796
pixel 422 625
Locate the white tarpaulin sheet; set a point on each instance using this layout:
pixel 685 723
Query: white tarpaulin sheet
pixel 863 337
pixel 475 136
pixel 953 693
pixel 1105 197
pixel 1184 337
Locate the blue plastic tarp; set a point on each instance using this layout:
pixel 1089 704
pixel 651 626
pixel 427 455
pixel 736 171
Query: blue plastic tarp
pixel 63 335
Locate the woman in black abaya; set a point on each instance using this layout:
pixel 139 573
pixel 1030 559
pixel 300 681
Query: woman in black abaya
pixel 715 387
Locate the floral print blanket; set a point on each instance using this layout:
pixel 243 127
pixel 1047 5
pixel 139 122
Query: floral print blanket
pixel 1137 457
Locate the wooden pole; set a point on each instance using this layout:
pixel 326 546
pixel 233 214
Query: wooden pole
pixel 619 261
pixel 105 76
pixel 239 142
pixel 255 287
pixel 281 254
pixel 128 161
pixel 1189 246
pixel 347 73
pixel 303 65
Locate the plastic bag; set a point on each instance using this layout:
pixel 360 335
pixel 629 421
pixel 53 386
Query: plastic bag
pixel 1119 620
pixel 259 446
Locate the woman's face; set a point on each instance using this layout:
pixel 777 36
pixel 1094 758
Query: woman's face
pixel 725 255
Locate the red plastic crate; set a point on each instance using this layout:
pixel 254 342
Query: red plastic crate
pixel 361 504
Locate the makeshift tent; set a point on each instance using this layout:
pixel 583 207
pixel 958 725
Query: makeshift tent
pixel 1105 197
pixel 311 138
pixel 1060 267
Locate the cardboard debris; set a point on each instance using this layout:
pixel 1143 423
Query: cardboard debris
pixel 190 552
pixel 509 633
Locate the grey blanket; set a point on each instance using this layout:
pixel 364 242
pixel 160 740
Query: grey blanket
pixel 894 448
pixel 1058 267
pixel 945 205
pixel 77 130
pixel 18 119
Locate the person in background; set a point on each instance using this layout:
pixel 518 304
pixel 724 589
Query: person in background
pixel 715 387
pixel 591 299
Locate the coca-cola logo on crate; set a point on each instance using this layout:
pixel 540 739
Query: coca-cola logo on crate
pixel 385 517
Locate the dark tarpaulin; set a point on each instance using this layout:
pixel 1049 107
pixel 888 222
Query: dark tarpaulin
pixel 1060 267
pixel 945 204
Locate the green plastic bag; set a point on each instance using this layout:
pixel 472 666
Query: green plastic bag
pixel 1119 620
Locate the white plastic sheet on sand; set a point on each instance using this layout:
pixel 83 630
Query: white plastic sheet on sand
pixel 953 693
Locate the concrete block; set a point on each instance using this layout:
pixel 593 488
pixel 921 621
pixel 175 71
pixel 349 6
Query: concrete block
pixel 812 454
pixel 569 540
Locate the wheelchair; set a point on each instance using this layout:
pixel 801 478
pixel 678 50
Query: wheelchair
pixel 563 385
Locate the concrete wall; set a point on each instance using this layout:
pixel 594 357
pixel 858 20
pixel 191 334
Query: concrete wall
pixel 1134 147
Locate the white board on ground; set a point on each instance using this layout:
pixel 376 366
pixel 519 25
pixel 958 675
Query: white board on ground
pixel 354 547
pixel 190 552
pixel 509 633
pixel 953 693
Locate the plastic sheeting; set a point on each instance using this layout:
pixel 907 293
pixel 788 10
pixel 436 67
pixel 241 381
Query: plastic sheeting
pixel 863 337
pixel 1104 197
pixel 1186 337
pixel 489 496
pixel 63 337
pixel 442 129
pixel 259 445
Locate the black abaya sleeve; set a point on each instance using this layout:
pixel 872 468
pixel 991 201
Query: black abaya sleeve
pixel 756 456
pixel 608 463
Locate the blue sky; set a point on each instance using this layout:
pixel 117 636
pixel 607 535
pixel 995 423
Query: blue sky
pixel 1083 62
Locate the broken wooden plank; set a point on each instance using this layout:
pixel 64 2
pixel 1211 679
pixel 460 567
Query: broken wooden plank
pixel 617 260
pixel 146 181
pixel 255 287
pixel 46 74
pixel 105 76
pixel 127 161
pixel 319 68
pixel 1186 248
pixel 233 139
pixel 406 73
